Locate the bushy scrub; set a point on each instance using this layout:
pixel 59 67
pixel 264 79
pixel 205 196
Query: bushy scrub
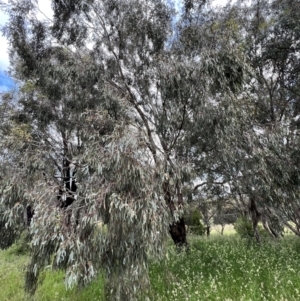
pixel 8 234
pixel 21 246
pixel 244 228
pixel 193 221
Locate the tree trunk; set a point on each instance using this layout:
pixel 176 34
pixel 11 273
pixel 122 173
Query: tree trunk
pixel 177 228
pixel 255 216
pixel 207 230
pixel 178 233
pixel 270 231
pixel 29 212
pixel 222 229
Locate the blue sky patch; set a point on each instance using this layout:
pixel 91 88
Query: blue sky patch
pixel 6 83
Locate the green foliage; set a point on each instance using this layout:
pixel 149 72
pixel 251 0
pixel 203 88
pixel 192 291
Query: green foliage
pixel 193 221
pixel 105 134
pixel 22 245
pixel 9 233
pixel 244 228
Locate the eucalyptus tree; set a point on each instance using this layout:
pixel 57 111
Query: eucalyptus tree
pixel 10 133
pixel 110 91
pixel 272 43
pixel 218 132
pixel 262 172
pixel 111 220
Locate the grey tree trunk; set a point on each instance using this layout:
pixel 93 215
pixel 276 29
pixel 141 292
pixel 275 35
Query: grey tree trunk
pixel 255 216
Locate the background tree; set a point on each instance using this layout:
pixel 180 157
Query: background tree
pixel 226 215
pixel 271 43
pixel 263 165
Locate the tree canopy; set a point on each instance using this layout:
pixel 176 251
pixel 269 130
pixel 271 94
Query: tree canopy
pixel 126 111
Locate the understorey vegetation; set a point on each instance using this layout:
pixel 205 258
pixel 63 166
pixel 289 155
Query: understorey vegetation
pixel 215 268
pixel 135 121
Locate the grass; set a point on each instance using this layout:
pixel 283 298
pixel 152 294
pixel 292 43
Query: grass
pixel 225 268
pixel 215 268
pixel 12 267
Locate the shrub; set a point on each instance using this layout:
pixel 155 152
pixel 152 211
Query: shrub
pixel 193 221
pixel 21 246
pixel 244 228
pixel 8 234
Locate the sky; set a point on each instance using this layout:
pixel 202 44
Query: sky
pixel 6 83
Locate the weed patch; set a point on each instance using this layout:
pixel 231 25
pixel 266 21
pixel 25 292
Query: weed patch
pixel 227 268
pixel 216 268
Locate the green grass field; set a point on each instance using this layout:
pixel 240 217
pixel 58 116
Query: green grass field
pixel 52 288
pixel 215 268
